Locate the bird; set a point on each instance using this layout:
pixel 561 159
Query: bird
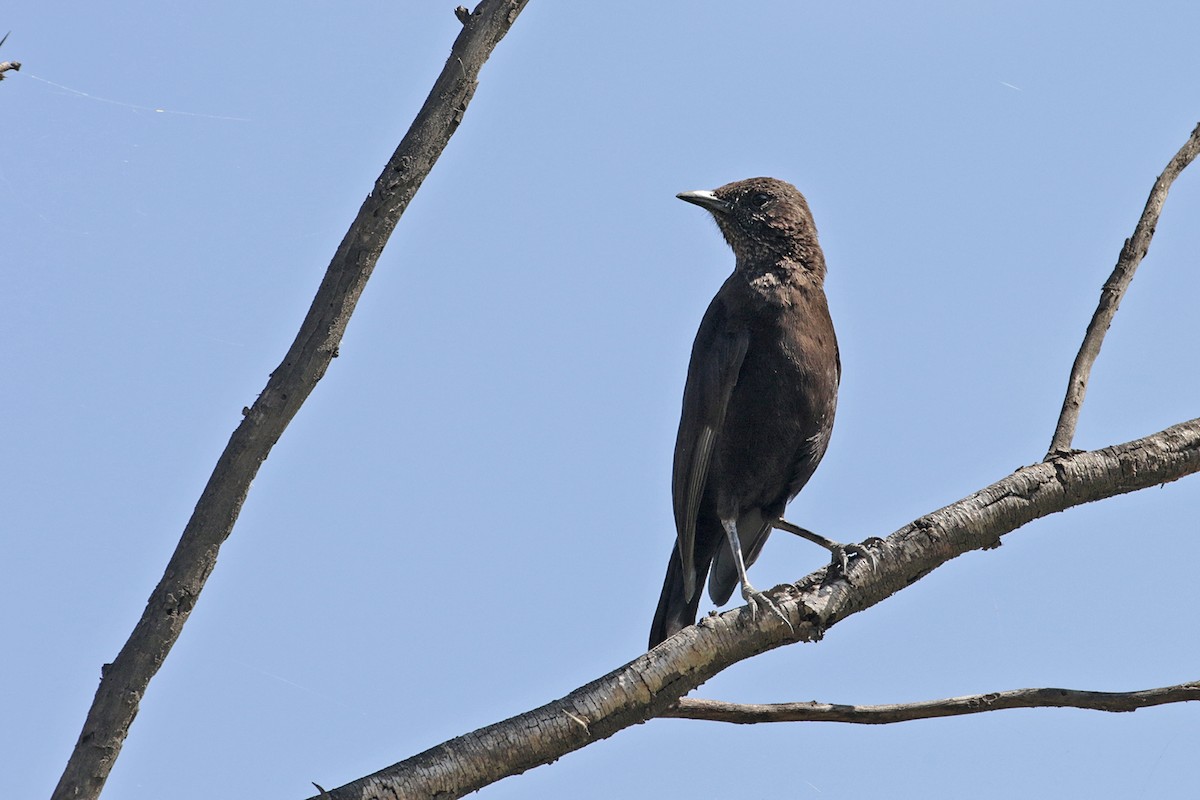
pixel 758 403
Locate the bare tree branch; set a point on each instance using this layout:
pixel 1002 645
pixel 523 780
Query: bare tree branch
pixel 749 714
pixel 124 681
pixel 1114 289
pixel 5 66
pixel 647 686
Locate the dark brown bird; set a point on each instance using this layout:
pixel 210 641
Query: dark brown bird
pixel 759 401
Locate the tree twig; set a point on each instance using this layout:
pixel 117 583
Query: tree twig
pixel 1131 255
pixel 647 686
pixel 123 682
pixel 749 714
pixel 5 66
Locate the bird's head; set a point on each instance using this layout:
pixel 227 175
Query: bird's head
pixel 765 221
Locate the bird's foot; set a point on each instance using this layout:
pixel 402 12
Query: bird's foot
pixel 757 600
pixel 840 555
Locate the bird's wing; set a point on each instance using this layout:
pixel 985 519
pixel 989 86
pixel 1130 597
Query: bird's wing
pixel 717 358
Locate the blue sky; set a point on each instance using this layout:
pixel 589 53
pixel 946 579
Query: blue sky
pixel 471 515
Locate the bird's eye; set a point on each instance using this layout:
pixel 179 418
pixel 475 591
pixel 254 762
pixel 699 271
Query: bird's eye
pixel 759 199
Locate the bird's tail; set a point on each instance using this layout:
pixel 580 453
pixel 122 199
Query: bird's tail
pixel 675 612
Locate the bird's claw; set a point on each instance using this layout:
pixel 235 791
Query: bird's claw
pixel 842 553
pixel 756 599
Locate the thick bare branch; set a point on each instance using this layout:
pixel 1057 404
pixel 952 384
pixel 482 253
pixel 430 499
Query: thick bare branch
pixel 124 681
pixel 649 685
pixel 749 714
pixel 1114 289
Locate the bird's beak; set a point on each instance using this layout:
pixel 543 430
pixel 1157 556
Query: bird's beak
pixel 705 199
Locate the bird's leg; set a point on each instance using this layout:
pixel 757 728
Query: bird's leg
pixel 841 553
pixel 751 595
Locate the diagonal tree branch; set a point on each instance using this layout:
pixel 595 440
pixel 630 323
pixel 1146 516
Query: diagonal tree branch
pixel 5 66
pixel 647 686
pixel 1131 256
pixel 749 714
pixel 123 682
